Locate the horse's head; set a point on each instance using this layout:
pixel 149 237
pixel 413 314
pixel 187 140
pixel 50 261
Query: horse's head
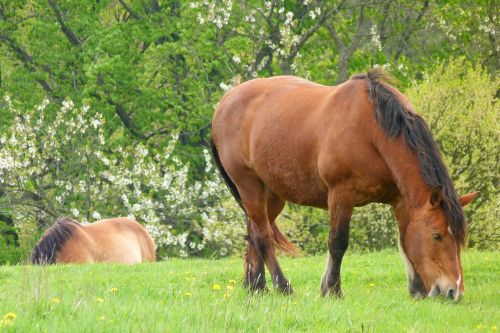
pixel 432 251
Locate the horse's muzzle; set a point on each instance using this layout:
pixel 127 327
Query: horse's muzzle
pixel 448 292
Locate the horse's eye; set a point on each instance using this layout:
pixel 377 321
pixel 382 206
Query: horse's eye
pixel 437 237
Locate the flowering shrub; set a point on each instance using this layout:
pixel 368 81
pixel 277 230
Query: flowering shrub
pixel 57 162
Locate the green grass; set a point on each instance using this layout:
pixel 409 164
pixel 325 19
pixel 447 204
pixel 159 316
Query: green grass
pixel 178 295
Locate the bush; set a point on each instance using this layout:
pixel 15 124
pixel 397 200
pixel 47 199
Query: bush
pixel 10 252
pixel 306 227
pixel 372 228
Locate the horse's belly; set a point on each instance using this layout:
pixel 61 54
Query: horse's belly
pixel 300 192
pixel 292 180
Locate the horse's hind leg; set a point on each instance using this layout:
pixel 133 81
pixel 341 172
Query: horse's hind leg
pixel 340 206
pixel 274 206
pixel 260 237
pixel 255 279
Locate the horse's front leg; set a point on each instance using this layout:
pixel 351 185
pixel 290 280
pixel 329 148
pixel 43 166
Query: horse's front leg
pixel 340 206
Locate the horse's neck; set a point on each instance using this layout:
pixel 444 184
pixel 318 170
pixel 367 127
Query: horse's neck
pixel 402 215
pixel 414 193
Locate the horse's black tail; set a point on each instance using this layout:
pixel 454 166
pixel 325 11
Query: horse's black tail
pixel 227 179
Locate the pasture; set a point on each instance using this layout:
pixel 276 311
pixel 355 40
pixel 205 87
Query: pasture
pixel 202 295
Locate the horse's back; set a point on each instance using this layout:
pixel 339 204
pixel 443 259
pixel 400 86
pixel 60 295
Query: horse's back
pixel 298 136
pixel 120 240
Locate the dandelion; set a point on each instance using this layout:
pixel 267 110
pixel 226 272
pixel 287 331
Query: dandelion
pixel 8 319
pixel 371 284
pixel 188 294
pixel 99 300
pixel 55 300
pixel 493 327
pixel 232 281
pixel 216 286
pixel 230 287
pixel 113 290
pixel 9 316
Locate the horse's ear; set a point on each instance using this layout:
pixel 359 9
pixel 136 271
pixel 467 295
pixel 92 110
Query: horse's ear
pixel 467 198
pixel 437 196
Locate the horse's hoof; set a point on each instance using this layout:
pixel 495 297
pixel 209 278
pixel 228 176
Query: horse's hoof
pixel 327 292
pixel 286 289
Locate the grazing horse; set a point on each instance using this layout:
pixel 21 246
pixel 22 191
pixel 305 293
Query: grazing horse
pixel 288 139
pixel 116 240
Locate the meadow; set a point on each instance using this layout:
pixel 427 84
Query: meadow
pixel 203 295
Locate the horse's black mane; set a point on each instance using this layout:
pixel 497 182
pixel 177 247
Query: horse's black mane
pixel 47 249
pixel 396 120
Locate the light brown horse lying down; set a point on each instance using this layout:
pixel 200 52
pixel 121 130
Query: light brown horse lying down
pixel 116 240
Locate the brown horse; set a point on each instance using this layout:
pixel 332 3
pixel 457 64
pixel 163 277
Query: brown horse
pixel 117 240
pixel 288 139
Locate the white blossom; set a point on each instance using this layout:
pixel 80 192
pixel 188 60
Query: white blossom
pixel 75 212
pixel 96 215
pixel 224 86
pixel 236 59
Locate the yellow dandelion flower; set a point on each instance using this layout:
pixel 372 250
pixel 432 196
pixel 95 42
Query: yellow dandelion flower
pixel 55 300
pixel 8 319
pixel 493 327
pixel 232 282
pixel 216 286
pixel 113 290
pixel 371 284
pixel 99 300
pixel 188 294
pixel 9 316
pixel 230 287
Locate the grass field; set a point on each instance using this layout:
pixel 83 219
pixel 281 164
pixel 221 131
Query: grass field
pixel 206 295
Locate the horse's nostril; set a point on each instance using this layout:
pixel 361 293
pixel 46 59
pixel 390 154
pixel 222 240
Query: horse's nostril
pixel 451 293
